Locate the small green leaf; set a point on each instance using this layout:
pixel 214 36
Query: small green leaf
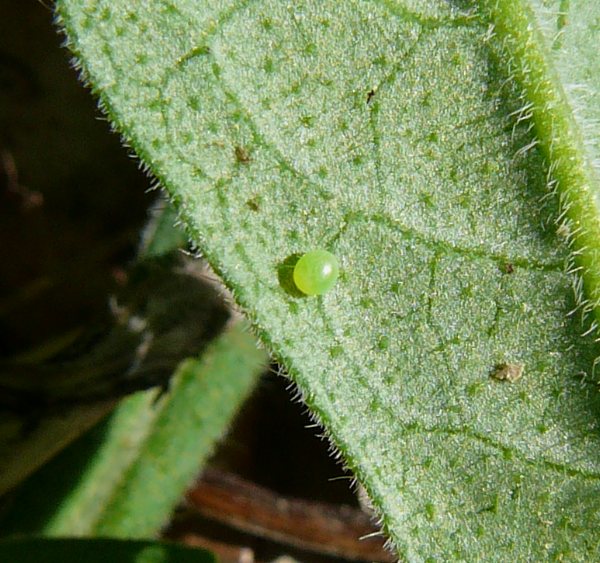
pixel 204 397
pixel 126 477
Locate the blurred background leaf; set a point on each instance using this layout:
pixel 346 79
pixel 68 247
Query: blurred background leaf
pixel 42 550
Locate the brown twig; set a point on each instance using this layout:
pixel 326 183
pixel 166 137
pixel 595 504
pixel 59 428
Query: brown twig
pixel 342 531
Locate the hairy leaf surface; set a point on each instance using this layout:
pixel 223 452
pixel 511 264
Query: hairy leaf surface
pixel 389 133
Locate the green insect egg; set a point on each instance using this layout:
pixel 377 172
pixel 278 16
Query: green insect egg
pixel 316 272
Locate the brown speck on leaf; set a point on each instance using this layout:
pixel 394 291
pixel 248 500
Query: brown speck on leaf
pixel 508 372
pixel 370 95
pixel 509 268
pixel 242 155
pixel 253 204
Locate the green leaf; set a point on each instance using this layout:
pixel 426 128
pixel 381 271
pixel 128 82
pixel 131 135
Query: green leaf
pixel 38 550
pixel 125 478
pixel 392 134
pixel 552 48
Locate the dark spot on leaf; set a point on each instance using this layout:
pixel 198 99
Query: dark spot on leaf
pixel 307 120
pixel 310 49
pixel 515 492
pixel 194 103
pixel 268 65
pixel 508 268
pixel 170 9
pixel 426 199
pixel 430 511
pixel 457 59
pixel 492 507
pixel 370 95
pixel 375 405
pixel 466 292
pixel 253 204
pixel 336 351
pixel 508 372
pixel 474 389
pixel 242 155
